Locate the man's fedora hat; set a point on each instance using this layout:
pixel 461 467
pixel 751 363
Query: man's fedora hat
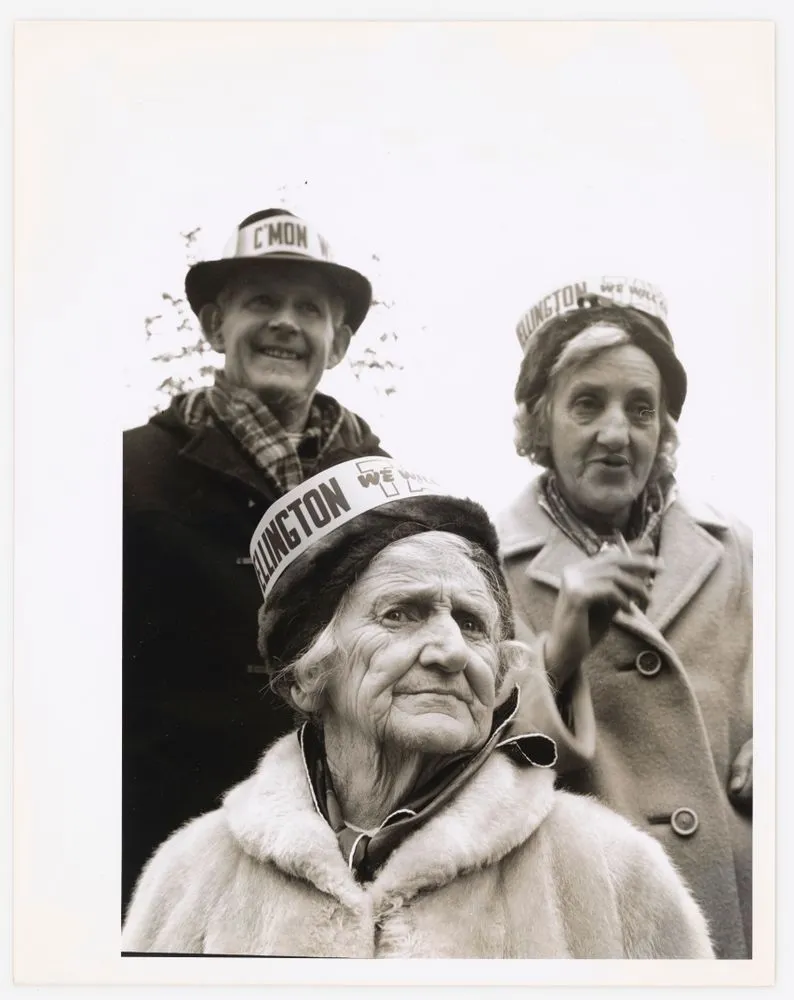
pixel 276 234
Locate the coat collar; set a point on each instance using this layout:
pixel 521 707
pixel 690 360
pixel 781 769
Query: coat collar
pixel 273 817
pixel 215 449
pixel 689 545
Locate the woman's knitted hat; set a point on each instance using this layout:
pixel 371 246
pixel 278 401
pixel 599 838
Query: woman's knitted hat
pixel 315 542
pixel 547 326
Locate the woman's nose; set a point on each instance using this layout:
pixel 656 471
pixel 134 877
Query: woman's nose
pixel 613 430
pixel 444 646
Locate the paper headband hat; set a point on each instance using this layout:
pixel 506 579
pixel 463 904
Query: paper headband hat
pixel 626 292
pixel 279 236
pixel 324 503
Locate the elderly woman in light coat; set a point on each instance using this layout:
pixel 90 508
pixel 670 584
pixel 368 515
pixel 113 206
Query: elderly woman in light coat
pixel 405 818
pixel 638 601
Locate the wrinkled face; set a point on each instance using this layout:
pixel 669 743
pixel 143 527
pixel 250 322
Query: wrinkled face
pixel 275 326
pixel 604 427
pixel 419 637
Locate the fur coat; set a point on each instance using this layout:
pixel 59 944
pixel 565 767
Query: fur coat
pixel 653 720
pixel 509 868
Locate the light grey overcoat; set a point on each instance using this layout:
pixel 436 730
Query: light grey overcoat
pixel 661 706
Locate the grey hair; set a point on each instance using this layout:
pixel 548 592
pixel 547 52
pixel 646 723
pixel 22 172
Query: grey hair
pixel 312 669
pixel 532 424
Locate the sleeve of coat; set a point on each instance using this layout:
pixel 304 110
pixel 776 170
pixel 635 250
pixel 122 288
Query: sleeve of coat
pixel 660 918
pixel 567 716
pixel 178 889
pixel 745 541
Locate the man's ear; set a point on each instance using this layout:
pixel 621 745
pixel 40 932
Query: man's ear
pixel 211 319
pixel 342 335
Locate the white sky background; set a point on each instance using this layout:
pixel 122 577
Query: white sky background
pixel 485 164
pixel 483 167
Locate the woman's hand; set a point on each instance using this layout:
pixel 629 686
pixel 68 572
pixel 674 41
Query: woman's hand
pixel 740 783
pixel 590 594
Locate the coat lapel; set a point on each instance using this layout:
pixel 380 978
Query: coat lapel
pixel 273 817
pixel 211 448
pixel 689 551
pixel 690 555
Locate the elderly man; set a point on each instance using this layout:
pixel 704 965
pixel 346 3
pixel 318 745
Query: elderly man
pixel 197 479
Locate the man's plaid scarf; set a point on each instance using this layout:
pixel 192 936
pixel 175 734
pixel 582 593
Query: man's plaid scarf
pixel 260 434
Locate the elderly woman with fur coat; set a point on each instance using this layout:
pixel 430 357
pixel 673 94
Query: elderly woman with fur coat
pixel 406 817
pixel 638 602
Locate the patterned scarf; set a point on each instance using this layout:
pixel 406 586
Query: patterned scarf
pixel 366 853
pixel 260 434
pixel 645 521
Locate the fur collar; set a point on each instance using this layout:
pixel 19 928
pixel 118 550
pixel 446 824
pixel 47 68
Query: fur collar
pixel 273 818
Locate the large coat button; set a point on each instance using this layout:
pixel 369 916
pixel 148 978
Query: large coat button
pixel 648 662
pixel 684 821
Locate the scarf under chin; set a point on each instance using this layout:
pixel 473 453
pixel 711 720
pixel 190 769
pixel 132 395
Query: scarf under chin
pixel 366 853
pixel 645 520
pixel 260 434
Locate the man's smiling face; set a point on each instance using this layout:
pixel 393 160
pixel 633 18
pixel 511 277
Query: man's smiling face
pixel 279 327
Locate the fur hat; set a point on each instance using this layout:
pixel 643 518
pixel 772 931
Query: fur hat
pixel 306 595
pixel 276 234
pixel 637 307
